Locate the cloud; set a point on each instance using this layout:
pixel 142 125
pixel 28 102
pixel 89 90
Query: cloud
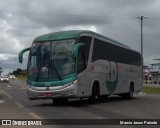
pixel 8 43
pixel 91 28
pixel 6 56
pixel 10 63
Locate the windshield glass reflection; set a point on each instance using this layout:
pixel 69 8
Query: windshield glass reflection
pixel 51 59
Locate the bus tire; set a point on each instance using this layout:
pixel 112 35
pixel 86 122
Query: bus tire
pixel 131 91
pixel 129 95
pixel 94 94
pixel 55 101
pixel 64 100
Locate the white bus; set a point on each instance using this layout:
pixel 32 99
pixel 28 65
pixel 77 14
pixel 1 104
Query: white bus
pixel 80 64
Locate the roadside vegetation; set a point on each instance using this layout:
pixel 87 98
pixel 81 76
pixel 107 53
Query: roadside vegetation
pixel 151 90
pixel 20 73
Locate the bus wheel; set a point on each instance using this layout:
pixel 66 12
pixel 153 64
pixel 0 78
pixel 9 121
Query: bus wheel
pixel 55 101
pixel 131 91
pixel 64 100
pixel 93 96
pixel 129 95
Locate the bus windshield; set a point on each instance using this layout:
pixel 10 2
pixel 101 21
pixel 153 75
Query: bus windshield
pixel 52 59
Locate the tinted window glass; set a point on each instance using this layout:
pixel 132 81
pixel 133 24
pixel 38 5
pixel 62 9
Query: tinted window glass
pixel 81 65
pixel 87 41
pixel 107 51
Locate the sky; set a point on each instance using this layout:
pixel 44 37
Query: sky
pixel 23 20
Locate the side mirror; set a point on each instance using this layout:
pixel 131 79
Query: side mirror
pixel 76 49
pixel 20 56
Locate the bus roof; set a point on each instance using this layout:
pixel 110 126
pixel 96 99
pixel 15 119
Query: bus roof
pixel 73 34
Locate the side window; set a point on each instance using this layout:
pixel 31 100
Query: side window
pixel 87 41
pixel 97 50
pixel 81 65
pixel 107 51
pixel 101 50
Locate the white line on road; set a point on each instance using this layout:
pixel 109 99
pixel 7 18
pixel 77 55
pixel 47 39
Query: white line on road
pixel 10 97
pixel 35 116
pixel 9 86
pixel 17 85
pixel 1 101
pixel 19 105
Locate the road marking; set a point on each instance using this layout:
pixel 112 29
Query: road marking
pixel 35 116
pixel 15 86
pixel 10 97
pixel 9 86
pixel 19 105
pixel 1 101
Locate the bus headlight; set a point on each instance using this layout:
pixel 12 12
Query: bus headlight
pixel 67 85
pixel 31 87
pixel 72 83
pixel 75 82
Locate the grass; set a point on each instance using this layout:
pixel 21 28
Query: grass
pixel 22 78
pixel 151 90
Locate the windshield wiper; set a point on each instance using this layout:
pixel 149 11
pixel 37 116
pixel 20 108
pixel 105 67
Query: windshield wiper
pixel 55 69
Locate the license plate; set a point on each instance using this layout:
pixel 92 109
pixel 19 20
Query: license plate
pixel 48 94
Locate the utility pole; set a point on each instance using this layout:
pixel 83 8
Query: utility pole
pixel 141 20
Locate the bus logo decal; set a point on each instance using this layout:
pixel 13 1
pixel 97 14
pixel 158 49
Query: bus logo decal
pixel 112 76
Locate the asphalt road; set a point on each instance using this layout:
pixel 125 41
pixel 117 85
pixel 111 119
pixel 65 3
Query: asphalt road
pixel 142 106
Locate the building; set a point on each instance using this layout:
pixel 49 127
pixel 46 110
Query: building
pixel 155 72
pixel 146 74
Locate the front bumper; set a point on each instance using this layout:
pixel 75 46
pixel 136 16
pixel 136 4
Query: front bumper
pixel 55 92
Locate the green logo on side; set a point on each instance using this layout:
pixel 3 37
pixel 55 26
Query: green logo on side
pixel 112 77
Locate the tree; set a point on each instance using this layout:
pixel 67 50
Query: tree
pixel 20 72
pixel 1 70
